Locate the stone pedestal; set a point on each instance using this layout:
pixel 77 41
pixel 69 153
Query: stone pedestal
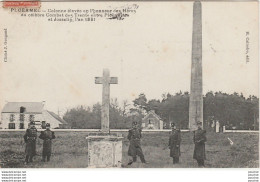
pixel 104 150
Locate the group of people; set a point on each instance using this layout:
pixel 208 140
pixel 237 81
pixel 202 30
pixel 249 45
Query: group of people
pixel 199 139
pixel 134 136
pixel 30 138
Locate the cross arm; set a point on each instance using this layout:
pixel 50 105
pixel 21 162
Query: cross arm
pixel 113 80
pixel 98 80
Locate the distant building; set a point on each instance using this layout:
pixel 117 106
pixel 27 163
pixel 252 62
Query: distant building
pixel 152 121
pixel 17 115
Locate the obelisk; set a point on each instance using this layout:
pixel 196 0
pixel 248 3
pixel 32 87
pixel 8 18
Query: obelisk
pixel 196 97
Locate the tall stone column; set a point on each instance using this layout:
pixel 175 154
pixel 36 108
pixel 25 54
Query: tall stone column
pixel 196 97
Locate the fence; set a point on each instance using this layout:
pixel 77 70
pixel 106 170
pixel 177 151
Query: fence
pixel 89 130
pixel 241 131
pixel 125 130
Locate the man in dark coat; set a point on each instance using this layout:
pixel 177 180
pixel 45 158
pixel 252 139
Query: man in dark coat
pixel 134 136
pixel 30 140
pixel 174 143
pixel 47 137
pixel 199 141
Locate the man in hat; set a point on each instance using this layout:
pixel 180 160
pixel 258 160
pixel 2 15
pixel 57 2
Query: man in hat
pixel 30 140
pixel 47 137
pixel 134 136
pixel 199 141
pixel 174 143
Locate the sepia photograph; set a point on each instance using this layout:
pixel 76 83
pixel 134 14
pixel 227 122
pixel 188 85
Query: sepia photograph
pixel 126 84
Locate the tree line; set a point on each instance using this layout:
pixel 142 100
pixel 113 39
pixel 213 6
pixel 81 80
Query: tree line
pixel 231 110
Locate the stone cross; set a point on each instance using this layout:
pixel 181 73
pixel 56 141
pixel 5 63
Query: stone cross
pixel 196 97
pixel 106 80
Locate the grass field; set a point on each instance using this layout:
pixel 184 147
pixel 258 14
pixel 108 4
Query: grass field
pixel 70 151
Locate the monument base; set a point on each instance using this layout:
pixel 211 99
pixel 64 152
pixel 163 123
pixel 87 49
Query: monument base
pixel 104 150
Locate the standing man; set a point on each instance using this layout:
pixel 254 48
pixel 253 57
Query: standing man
pixel 47 137
pixel 134 136
pixel 174 143
pixel 199 141
pixel 30 140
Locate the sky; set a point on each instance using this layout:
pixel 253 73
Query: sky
pixel 149 52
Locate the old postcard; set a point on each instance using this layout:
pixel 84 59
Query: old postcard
pixel 127 84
